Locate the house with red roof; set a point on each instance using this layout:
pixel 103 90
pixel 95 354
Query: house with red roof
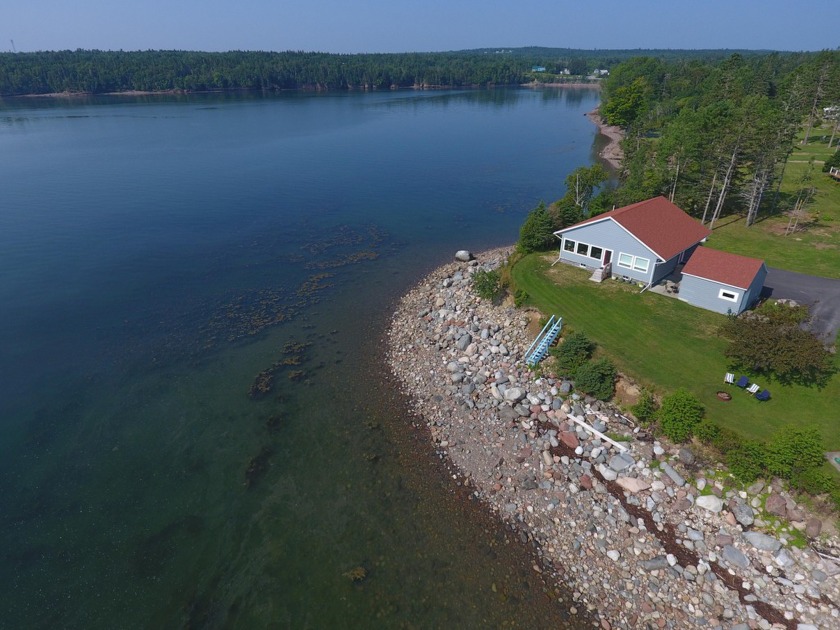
pixel 722 282
pixel 647 241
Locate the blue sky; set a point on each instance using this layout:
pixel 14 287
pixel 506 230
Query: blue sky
pixel 416 25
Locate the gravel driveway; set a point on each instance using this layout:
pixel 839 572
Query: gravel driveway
pixel 822 294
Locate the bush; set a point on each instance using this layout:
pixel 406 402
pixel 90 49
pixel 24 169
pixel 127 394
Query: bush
pixel 707 432
pixel 645 408
pixel 793 450
pixel 680 413
pixel 726 440
pixel 814 481
pixel 834 160
pixel 520 297
pixel 746 461
pixel 575 350
pixel 596 378
pixel 487 284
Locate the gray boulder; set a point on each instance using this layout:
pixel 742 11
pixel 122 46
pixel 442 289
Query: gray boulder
pixel 672 474
pixel 463 255
pixel 686 456
pixel 735 557
pixel 742 512
pixel 659 562
pixel 463 342
pixel 514 394
pixel 762 541
pixel 709 502
pixel 621 462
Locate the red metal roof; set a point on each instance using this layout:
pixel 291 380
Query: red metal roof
pixel 732 269
pixel 660 225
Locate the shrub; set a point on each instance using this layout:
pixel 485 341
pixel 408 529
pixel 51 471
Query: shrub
pixel 814 481
pixel 707 432
pixel 487 284
pixel 726 440
pixel 645 408
pixel 575 350
pixel 596 378
pixel 793 449
pixel 834 160
pixel 746 461
pixel 520 297
pixel 679 414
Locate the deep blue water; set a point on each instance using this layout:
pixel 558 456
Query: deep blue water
pixel 157 255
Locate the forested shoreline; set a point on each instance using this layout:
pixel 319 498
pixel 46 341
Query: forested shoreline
pixel 716 137
pixel 98 72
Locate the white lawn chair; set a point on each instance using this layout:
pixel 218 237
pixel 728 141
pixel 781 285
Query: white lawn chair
pixel 753 389
pixel 729 378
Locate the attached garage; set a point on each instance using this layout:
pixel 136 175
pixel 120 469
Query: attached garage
pixel 722 282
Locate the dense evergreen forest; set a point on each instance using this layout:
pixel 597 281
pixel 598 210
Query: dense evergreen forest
pixel 94 71
pixel 715 136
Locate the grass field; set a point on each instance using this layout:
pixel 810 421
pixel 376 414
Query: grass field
pixel 664 344
pixel 815 249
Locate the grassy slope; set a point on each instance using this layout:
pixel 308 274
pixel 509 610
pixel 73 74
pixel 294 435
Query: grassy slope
pixel 664 343
pixel 814 250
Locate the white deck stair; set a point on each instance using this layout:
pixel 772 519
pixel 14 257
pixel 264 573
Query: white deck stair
pixel 601 274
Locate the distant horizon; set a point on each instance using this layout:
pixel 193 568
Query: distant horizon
pixel 414 52
pixel 394 26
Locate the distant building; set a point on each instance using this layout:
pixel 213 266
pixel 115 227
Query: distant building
pixel 538 69
pixel 601 73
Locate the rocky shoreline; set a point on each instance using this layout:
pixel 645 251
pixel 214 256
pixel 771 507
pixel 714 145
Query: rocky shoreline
pixel 613 154
pixel 636 529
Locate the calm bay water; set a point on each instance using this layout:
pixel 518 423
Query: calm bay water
pixel 161 253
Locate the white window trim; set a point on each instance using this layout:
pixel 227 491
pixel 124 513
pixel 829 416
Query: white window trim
pixel 626 265
pixel 735 294
pixel 574 246
pixel 636 263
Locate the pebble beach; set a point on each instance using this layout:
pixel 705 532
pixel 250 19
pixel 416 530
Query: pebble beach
pixel 638 531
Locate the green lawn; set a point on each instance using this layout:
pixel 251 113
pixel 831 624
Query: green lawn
pixel 665 344
pixel 816 248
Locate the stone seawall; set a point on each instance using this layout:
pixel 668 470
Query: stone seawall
pixel 640 537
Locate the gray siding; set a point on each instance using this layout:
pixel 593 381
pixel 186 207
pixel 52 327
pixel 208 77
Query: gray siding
pixel 609 236
pixel 665 268
pixel 706 293
pixel 754 292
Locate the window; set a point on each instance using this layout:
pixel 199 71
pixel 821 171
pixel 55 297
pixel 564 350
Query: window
pixel 732 296
pixel 568 245
pixel 636 263
pixel 583 249
pixel 596 252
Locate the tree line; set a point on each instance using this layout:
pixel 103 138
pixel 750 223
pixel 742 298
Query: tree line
pixel 96 71
pixel 715 137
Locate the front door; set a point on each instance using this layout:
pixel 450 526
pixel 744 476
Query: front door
pixel 607 257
